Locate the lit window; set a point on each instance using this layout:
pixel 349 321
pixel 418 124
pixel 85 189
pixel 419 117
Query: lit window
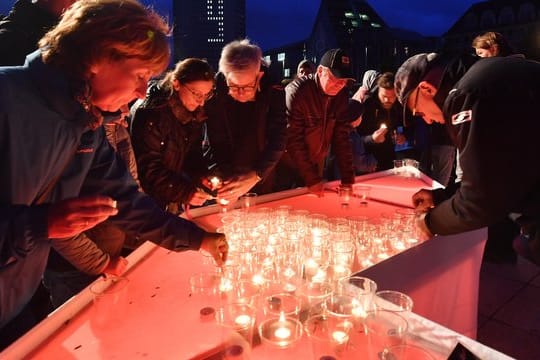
pixel 375 25
pixel 349 14
pixel 281 57
pixel 364 17
pixel 287 72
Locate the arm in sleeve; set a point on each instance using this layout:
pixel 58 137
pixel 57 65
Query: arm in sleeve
pixel 276 133
pixel 342 145
pixel 20 227
pixel 138 214
pixel 82 253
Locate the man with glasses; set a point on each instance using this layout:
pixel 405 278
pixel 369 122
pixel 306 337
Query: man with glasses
pixel 319 118
pixel 491 110
pixel 246 123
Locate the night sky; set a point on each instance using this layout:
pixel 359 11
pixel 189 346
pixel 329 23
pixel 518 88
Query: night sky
pixel 272 23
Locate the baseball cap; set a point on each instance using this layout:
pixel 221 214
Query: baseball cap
pixel 411 73
pixel 339 63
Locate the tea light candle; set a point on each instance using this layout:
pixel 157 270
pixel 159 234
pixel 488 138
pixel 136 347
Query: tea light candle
pixel 311 267
pixel 281 332
pixel 225 285
pixel 224 201
pixel 290 288
pixel 340 336
pixel 215 181
pixel 257 279
pixel 242 320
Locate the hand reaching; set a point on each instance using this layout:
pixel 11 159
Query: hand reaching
pixel 216 245
pixel 71 217
pixel 423 201
pixel 116 266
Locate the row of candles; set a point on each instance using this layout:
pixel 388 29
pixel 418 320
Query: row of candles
pixel 282 254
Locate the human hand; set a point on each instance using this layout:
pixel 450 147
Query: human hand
pixel 423 201
pixel 216 245
pixel 199 197
pixel 116 266
pixel 238 186
pixel 379 135
pixel 317 189
pixel 70 217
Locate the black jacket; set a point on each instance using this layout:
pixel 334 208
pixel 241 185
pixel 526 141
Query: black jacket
pixel 316 122
pixel 167 140
pixel 21 30
pixel 267 113
pixel 493 112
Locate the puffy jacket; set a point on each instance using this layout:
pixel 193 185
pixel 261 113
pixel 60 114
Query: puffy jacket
pixel 168 140
pixel 316 123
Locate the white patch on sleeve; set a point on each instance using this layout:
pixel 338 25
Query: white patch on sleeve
pixel 462 117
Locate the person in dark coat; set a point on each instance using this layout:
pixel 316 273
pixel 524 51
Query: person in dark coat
pixel 246 122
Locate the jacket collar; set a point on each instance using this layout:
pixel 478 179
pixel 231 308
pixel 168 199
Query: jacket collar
pixel 55 89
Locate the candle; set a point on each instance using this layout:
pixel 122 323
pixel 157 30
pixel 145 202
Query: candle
pixel 242 320
pixel 359 312
pixel 311 267
pixel 383 126
pixel 225 285
pixel 257 279
pixel 340 336
pixel 215 181
pixel 320 276
pixel 282 332
pixel 290 288
pixel 224 201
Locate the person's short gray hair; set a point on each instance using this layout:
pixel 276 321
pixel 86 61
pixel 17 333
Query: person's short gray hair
pixel 239 55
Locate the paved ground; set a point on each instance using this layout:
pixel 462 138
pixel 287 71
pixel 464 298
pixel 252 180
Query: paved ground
pixel 509 309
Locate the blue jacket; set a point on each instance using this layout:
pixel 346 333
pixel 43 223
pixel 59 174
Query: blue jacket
pixel 42 128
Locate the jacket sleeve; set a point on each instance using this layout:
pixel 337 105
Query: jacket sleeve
pixel 497 177
pixel 82 253
pixel 276 133
pixel 156 179
pixel 138 214
pixel 342 144
pixel 296 143
pixel 20 227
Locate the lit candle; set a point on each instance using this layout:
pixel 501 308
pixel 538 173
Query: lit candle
pixel 340 336
pixel 311 267
pixel 359 312
pixel 225 285
pixel 383 126
pixel 320 276
pixel 215 181
pixel 290 288
pixel 257 279
pixel 224 201
pixel 242 320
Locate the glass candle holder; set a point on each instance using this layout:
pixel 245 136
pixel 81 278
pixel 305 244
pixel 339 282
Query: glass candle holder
pixel 280 332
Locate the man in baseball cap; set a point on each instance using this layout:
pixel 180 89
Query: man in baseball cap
pixel 489 108
pixel 338 62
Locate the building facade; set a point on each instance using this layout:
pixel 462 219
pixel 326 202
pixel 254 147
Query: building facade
pixel 203 27
pixel 355 26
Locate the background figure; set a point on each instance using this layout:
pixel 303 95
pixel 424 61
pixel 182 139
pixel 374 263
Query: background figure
pixel 319 117
pixel 491 44
pixel 26 23
pixel 168 131
pixel 246 122
pixel 369 82
pixel 305 67
pixel 54 106
pixel 381 120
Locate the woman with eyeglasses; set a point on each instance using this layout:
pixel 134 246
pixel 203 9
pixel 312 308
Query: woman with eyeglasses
pixel 246 122
pixel 168 135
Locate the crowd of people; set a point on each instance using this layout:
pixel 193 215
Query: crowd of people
pixel 81 186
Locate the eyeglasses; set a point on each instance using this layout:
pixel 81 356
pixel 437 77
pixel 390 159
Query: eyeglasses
pixel 414 112
pixel 246 88
pixel 198 95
